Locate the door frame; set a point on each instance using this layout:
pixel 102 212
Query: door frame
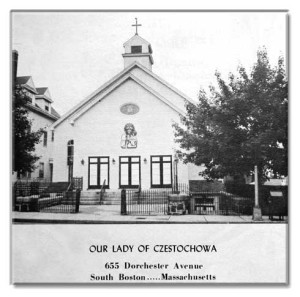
pixel 98 186
pixel 129 172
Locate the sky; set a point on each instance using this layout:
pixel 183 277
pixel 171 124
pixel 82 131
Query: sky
pixel 74 53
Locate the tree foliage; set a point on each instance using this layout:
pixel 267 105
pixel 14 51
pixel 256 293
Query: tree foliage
pixel 242 123
pixel 24 140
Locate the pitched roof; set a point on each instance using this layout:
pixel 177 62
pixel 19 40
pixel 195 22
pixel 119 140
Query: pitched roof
pixel 41 91
pixel 27 83
pixel 136 37
pixel 54 112
pixel 105 87
pixel 22 80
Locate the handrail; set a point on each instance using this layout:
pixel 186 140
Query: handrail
pixel 102 190
pixel 139 190
pixel 69 186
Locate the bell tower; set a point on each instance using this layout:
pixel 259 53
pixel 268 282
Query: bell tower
pixel 138 50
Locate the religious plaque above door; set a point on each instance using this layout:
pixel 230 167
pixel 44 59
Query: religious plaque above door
pixel 129 139
pixel 129 108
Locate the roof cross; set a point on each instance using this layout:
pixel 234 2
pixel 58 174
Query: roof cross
pixel 136 26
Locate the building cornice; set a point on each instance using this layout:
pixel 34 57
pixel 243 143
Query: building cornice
pixel 41 112
pixel 140 55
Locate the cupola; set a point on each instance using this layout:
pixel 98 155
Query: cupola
pixel 138 50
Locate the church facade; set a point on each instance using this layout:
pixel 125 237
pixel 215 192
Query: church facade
pixel 122 133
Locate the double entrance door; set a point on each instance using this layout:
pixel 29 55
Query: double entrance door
pixel 129 172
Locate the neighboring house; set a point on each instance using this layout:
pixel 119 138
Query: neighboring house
pixel 122 133
pixel 43 115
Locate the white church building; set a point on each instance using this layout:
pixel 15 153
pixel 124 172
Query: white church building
pixel 122 133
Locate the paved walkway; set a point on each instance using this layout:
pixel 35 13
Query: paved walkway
pixel 110 214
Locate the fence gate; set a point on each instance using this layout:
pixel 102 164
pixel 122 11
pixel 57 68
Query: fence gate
pixel 149 202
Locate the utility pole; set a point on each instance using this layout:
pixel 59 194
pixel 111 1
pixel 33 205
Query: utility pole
pixel 256 210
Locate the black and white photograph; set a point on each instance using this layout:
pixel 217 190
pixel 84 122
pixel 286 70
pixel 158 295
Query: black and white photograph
pixel 149 147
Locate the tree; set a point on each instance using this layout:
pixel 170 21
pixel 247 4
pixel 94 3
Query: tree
pixel 24 140
pixel 241 124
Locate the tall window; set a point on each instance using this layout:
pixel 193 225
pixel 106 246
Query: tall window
pixel 52 135
pixel 41 170
pixel 161 171
pixel 47 106
pixel 45 138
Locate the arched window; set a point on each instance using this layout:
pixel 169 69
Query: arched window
pixel 70 152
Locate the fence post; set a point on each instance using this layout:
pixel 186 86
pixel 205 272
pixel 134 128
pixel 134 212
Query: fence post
pixel 123 202
pixel 14 196
pixel 77 200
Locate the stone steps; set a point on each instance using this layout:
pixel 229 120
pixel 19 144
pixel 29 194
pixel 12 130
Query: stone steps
pixel 87 194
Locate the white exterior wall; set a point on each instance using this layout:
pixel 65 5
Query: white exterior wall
pixel 44 152
pixel 160 88
pixel 143 60
pixel 98 133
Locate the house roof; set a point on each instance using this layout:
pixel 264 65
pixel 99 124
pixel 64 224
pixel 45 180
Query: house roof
pixel 21 80
pixel 54 112
pixel 136 37
pixel 36 108
pixel 26 82
pixel 109 86
pixel 41 91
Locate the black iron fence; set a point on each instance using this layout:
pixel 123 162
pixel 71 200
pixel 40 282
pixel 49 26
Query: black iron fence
pixel 147 202
pixel 181 188
pixel 168 201
pixel 266 202
pixel 65 202
pixel 45 196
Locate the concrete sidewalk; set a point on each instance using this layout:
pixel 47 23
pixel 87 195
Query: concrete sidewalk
pixel 110 214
